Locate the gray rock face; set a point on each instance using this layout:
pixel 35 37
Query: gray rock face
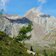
pixel 12 24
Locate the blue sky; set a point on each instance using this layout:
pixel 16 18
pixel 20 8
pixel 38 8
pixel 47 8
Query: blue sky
pixel 20 7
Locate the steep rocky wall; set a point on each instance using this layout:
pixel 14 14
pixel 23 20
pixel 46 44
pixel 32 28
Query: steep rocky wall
pixel 42 25
pixel 12 24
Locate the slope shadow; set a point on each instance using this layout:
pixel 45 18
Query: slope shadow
pixel 23 20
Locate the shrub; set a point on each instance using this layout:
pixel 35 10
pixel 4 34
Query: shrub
pixel 23 33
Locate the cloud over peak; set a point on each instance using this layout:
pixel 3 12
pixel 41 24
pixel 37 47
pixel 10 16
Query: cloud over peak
pixel 42 1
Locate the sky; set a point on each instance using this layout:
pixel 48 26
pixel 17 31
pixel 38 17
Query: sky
pixel 20 7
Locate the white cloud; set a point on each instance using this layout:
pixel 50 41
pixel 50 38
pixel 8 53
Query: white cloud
pixel 42 1
pixel 3 4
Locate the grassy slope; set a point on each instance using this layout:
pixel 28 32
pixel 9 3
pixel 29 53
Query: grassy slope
pixel 9 47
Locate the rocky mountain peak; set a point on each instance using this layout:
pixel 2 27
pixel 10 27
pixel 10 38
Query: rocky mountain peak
pixel 12 17
pixel 32 12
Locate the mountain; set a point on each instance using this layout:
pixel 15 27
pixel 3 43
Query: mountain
pixel 43 24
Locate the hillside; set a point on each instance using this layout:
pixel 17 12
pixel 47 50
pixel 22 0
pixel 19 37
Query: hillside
pixel 10 47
